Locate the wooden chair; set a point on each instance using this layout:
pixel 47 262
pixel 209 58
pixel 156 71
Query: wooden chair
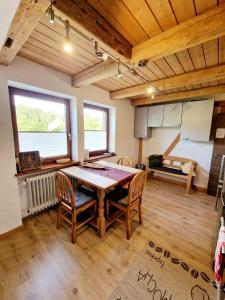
pixel 127 201
pixel 72 203
pixel 125 161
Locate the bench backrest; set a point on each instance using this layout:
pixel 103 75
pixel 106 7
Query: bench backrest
pixel 176 162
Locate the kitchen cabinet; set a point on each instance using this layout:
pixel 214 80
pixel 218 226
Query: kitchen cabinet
pixel 172 115
pixel 155 116
pixel 196 120
pixel 141 129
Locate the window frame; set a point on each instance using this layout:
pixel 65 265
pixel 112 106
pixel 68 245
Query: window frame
pixel 39 96
pixel 105 109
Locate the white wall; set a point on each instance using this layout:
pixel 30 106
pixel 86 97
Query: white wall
pixel 8 9
pixel 199 151
pixel 31 74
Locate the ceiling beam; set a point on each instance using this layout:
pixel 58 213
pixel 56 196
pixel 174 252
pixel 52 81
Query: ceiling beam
pixel 25 20
pixel 184 96
pixel 87 20
pixel 195 77
pixel 197 30
pixel 96 73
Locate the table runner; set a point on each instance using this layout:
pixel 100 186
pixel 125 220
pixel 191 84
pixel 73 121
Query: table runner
pixel 112 173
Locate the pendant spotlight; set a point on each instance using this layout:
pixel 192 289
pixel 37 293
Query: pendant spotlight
pixel 68 45
pixel 119 72
pixel 100 53
pixel 51 13
pixel 151 90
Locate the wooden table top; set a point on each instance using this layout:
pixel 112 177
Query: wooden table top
pixel 96 180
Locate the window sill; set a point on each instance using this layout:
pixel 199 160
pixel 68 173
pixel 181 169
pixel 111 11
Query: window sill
pixel 97 157
pixel 47 168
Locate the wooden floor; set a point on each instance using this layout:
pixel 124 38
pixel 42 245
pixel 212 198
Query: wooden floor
pixel 39 262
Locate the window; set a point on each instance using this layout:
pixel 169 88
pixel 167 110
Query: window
pixel 40 122
pixel 96 129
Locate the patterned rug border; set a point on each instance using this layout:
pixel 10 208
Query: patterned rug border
pixel 193 272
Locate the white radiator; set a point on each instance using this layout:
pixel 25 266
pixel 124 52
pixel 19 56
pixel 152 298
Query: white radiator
pixel 41 192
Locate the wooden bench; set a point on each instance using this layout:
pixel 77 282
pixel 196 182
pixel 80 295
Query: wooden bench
pixel 172 166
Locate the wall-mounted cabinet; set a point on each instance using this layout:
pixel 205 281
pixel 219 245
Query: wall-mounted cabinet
pixel 155 116
pixel 141 129
pixel 172 115
pixel 196 120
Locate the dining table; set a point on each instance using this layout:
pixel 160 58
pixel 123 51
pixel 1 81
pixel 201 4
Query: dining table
pixel 111 175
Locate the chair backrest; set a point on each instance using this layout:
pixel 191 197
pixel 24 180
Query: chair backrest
pixel 64 189
pixel 136 187
pixel 125 161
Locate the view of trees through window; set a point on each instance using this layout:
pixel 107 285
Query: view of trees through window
pixel 94 119
pixel 41 126
pixel 95 129
pixel 37 119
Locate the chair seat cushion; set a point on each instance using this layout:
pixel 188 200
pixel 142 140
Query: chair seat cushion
pixel 119 195
pixel 169 170
pixel 83 195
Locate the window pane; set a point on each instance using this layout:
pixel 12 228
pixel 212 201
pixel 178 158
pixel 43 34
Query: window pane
pixel 95 129
pixel 94 119
pixel 41 126
pixel 39 115
pixel 95 140
pixel 48 144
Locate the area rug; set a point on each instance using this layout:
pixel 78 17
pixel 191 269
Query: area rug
pixel 157 274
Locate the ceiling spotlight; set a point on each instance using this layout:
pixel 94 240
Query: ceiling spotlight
pixel 51 13
pixel 68 45
pixel 119 72
pixel 100 53
pixel 151 90
pixel 142 63
pixel 152 96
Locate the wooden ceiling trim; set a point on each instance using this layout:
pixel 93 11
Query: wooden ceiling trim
pixel 146 72
pixel 134 79
pixel 178 81
pixel 107 84
pixel 156 70
pixel 222 54
pixel 222 49
pixel 95 73
pixel 26 19
pixel 116 12
pixel 58 35
pixel 50 44
pixel 57 54
pixel 52 57
pixel 57 30
pixel 182 15
pixel 26 53
pixel 114 21
pixel 118 83
pixel 174 64
pixel 192 32
pixel 164 67
pixel 142 13
pixel 210 48
pixel 183 96
pixel 86 19
pixel 167 19
pixel 124 80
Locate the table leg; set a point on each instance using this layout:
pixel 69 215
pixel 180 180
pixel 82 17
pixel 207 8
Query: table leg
pixel 101 217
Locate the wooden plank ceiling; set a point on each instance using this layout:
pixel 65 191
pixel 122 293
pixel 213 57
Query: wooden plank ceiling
pixel 136 21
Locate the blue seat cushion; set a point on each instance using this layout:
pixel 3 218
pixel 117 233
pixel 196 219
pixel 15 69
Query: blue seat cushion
pixel 119 194
pixel 169 170
pixel 83 195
